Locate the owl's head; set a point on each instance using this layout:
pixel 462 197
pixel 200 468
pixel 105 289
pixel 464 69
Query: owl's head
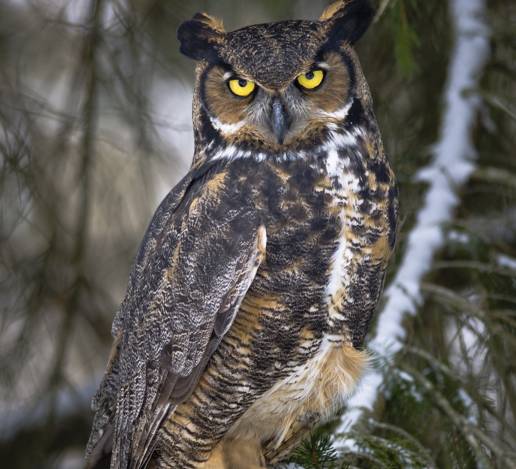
pixel 276 86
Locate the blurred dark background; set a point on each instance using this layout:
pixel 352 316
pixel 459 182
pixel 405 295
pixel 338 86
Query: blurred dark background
pixel 95 128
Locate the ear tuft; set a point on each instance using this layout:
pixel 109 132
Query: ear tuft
pixel 333 9
pixel 347 20
pixel 214 23
pixel 200 36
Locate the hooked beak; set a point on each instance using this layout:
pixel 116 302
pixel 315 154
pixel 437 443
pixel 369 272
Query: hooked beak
pixel 279 120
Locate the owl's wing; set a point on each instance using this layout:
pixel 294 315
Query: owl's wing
pixel 195 265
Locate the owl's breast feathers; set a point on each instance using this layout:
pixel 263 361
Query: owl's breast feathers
pixel 253 272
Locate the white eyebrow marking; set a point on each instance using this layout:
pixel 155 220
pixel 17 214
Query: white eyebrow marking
pixel 227 75
pixel 323 65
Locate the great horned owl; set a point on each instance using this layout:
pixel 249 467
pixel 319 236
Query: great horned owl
pixel 253 289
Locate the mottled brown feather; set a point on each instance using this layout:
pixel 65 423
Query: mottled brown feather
pixel 253 290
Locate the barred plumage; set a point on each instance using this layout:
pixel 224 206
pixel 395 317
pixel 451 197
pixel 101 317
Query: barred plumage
pixel 254 287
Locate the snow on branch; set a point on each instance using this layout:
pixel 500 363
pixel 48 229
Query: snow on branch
pixel 453 163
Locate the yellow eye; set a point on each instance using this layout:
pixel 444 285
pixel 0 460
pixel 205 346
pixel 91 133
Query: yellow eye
pixel 311 79
pixel 241 87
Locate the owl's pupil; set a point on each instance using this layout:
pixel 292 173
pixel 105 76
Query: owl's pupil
pixel 242 83
pixel 309 75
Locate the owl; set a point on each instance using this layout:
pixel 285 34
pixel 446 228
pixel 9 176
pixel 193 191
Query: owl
pixel 247 305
